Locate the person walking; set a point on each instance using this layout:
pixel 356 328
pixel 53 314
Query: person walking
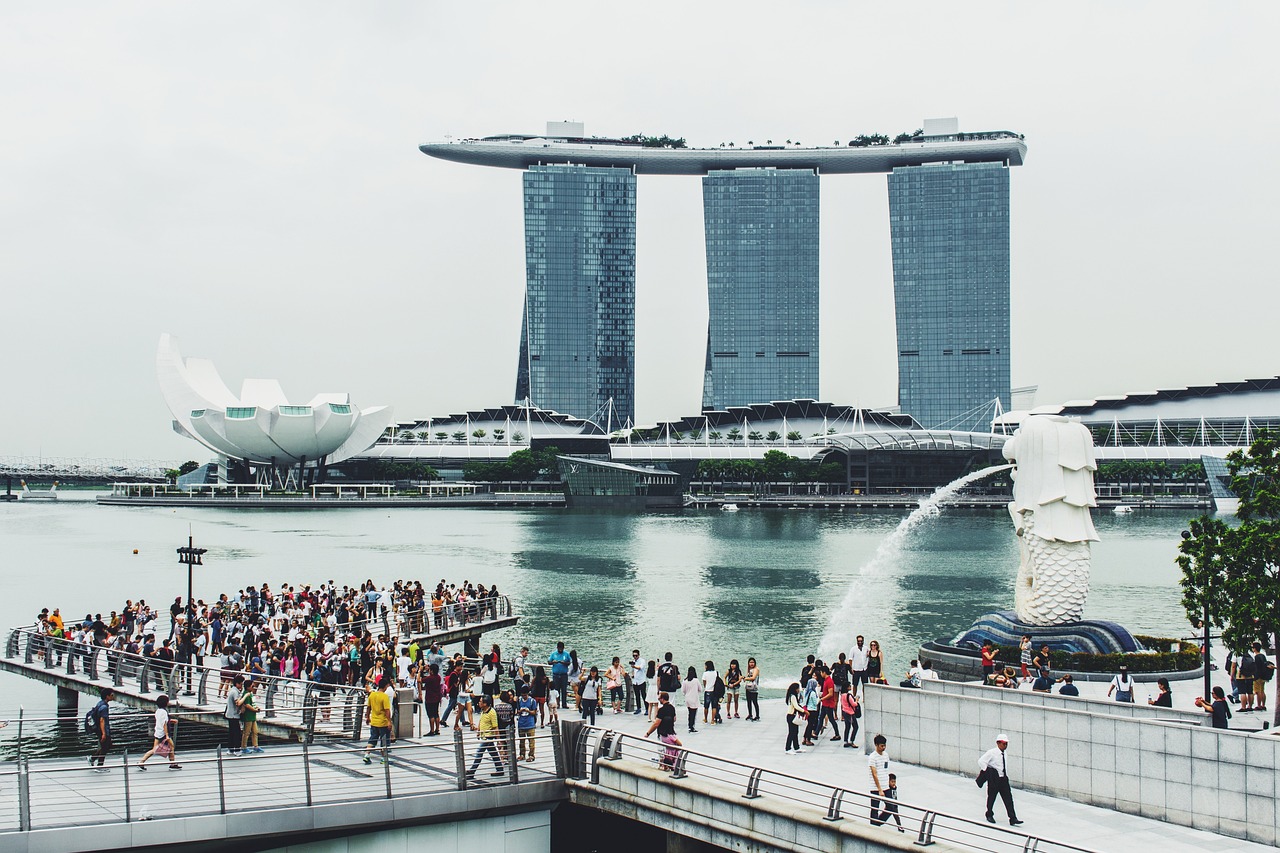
pixel 249 718
pixel 378 715
pixel 751 686
pixel 1122 685
pixel 615 682
pixel 664 723
pixel 692 689
pixel 850 711
pixel 559 662
pixel 487 726
pixel 994 773
pixel 589 695
pixel 100 717
pixel 878 763
pixel 526 723
pixel 163 743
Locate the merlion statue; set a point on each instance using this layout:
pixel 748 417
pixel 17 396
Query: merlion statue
pixel 1052 494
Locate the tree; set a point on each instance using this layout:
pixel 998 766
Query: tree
pixel 478 433
pixel 499 434
pixel 735 434
pixel 773 435
pixel 794 435
pixel 755 435
pixel 442 435
pixel 460 435
pixel 715 435
pixel 1232 574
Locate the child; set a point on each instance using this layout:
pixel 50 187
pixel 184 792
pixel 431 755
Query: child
pixel 890 805
pixel 553 703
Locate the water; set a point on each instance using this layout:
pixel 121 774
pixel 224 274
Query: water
pixel 838 635
pixel 772 584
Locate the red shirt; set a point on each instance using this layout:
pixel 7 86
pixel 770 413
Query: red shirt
pixel 829 688
pixel 988 657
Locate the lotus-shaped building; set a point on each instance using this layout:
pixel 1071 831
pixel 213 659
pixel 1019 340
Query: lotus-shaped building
pixel 260 426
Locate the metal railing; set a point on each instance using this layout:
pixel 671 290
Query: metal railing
pixel 292 702
pixel 47 793
pixel 598 747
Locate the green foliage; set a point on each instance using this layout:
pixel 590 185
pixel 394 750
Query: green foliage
pixel 866 141
pixel 187 467
pixel 460 435
pixel 478 433
pixel 386 469
pixel 755 435
pixel 519 466
pixel 1235 571
pixel 662 141
pixel 171 474
pixel 735 434
pixel 907 137
pixel 794 435
pixel 773 435
pixel 442 435
pixel 715 435
pixel 1161 659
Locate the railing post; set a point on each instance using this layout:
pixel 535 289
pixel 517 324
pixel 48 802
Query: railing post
pixel 309 711
pixel 386 767
pixel 605 738
pixel 557 751
pixel 128 810
pixel 144 677
pixel 12 645
pixel 91 663
pixel 202 692
pixel 72 651
pixel 753 785
pixel 173 681
pixel 460 758
pixel 630 693
pixel 833 807
pixel 24 795
pixel 306 769
pixel 925 837
pixel 20 713
pixel 269 704
pixel 31 651
pixel 115 665
pixel 222 787
pixel 678 770
pixel 513 763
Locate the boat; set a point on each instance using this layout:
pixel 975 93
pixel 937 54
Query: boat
pixel 1122 509
pixel 728 507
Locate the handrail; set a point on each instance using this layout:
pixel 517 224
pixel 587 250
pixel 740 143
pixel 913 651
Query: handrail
pixel 598 744
pixel 407 769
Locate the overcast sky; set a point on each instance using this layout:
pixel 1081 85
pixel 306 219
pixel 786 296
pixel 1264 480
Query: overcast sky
pixel 246 176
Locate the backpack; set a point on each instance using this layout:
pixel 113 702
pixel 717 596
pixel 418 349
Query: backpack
pixel 1262 667
pixel 1245 669
pixel 91 721
pixel 717 690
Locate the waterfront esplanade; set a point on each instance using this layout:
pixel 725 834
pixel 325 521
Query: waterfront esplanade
pixel 762 343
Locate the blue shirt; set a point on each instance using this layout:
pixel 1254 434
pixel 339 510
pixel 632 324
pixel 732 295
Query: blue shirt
pixel 102 711
pixel 526 714
pixel 559 663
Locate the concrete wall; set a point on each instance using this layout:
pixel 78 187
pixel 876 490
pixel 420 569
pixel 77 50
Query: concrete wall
pixel 529 832
pixel 1135 710
pixel 1195 776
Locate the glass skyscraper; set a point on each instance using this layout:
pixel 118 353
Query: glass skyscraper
pixel 949 225
pixel 577 340
pixel 762 286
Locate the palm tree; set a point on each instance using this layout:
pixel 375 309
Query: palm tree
pixel 460 435
pixel 735 434
pixel 773 435
pixel 794 435
pixel 499 434
pixel 754 435
pixel 442 435
pixel 714 435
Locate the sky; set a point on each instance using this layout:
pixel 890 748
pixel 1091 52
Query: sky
pixel 246 177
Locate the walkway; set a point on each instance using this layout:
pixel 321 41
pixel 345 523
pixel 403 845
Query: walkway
pixel 761 744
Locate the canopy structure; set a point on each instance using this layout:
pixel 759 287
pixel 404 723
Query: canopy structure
pixel 260 425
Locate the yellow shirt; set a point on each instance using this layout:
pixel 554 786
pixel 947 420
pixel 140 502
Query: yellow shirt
pixel 489 724
pixel 379 709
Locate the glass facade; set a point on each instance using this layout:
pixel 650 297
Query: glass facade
pixel 762 286
pixel 577 341
pixel 949 225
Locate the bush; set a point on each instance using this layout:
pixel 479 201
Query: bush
pixel 1188 658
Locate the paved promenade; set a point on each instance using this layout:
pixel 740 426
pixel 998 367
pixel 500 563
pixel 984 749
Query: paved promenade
pixel 1101 829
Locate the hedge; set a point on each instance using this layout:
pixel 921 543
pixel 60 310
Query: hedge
pixel 1187 658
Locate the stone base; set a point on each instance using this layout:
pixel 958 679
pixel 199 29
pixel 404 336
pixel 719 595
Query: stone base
pixel 1004 628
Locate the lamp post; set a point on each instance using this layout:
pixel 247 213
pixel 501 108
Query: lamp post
pixel 190 557
pixel 1198 556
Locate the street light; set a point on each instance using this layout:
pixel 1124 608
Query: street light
pixel 1199 558
pixel 190 557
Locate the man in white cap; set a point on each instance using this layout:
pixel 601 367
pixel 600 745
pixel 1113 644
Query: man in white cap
pixel 993 772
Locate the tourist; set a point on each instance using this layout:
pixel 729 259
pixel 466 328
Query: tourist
pixel 795 713
pixel 639 681
pixel 615 681
pixel 891 804
pixel 841 671
pixel 927 672
pixel 489 677
pixel 1163 699
pixel 538 690
pixel 668 675
pixel 912 678
pixel 1244 680
pixel 718 691
pixel 504 706
pixel 988 662
pixel 377 713
pixel 249 720
pixel 751 685
pixel 1042 661
pixel 875 664
pixel 1263 669
pixel 526 723
pixel 878 763
pixel 732 689
pixel 577 672
pixel 692 689
pixel 487 726
pixel 857 664
pixel 432 692
pixel 235 706
pixel 559 663
pixel 1122 685
pixel 1219 708
pixel 99 718
pixel 162 742
pixel 850 711
pixel 664 723
pixel 1024 657
pixel 812 698
pixel 651 698
pixel 1068 688
pixel 709 679
pixel 828 702
pixel 589 695
pixel 993 772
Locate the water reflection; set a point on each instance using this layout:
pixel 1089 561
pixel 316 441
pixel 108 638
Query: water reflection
pixel 566 563
pixel 758 577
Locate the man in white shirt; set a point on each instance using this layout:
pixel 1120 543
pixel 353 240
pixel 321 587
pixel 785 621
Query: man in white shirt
pixel 993 772
pixel 858 663
pixel 639 681
pixel 878 764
